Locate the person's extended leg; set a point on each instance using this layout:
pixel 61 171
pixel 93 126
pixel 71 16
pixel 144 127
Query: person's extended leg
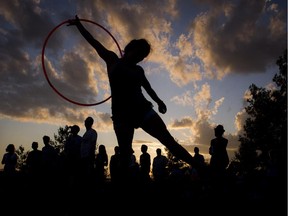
pixel 154 125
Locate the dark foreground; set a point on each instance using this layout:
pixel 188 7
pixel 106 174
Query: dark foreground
pixel 22 195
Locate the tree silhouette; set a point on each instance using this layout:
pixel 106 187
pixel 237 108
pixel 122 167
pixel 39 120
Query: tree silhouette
pixel 61 137
pixel 22 156
pixel 266 128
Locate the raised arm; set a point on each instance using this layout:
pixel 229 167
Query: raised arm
pixel 104 53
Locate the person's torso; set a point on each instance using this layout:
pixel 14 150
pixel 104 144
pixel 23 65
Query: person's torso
pixel 88 144
pixel 128 100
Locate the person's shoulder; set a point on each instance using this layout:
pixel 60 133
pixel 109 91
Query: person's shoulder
pixel 91 131
pixel 78 137
pixel 113 57
pixel 140 69
pixel 214 139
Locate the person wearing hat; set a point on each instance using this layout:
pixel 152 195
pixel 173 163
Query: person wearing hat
pixel 219 157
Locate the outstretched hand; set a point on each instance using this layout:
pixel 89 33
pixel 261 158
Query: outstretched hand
pixel 162 107
pixel 74 21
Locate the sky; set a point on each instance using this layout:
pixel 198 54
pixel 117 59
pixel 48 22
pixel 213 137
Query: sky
pixel 205 55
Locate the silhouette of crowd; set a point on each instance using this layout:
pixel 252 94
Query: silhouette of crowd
pixel 83 169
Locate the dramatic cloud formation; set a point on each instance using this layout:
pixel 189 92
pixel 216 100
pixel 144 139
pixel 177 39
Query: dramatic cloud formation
pixel 193 44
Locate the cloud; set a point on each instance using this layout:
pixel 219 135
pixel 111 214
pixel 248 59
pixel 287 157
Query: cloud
pixel 184 99
pixel 239 37
pixel 227 38
pixel 201 127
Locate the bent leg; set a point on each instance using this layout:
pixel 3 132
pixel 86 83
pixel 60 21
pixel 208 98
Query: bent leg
pixel 155 126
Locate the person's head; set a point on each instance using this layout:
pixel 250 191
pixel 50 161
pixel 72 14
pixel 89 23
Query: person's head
pixel 46 139
pixel 136 50
pixel 75 129
pixel 219 130
pixel 196 150
pixel 144 148
pixel 158 151
pixel 89 122
pixel 102 149
pixel 117 149
pixel 34 145
pixel 10 148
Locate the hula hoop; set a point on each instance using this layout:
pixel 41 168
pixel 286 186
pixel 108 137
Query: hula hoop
pixel 43 61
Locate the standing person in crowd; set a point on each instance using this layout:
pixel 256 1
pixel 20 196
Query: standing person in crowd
pixel 159 166
pixel 88 151
pixel 50 173
pixel 88 148
pixel 130 108
pixel 114 165
pixel 101 163
pixel 219 157
pixel 34 161
pixel 9 182
pixel 198 173
pixel 133 168
pixel 9 160
pixel 145 163
pixel 199 161
pixel 35 171
pixel 72 152
pixel 49 158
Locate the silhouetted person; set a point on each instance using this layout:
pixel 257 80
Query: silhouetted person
pixel 72 152
pixel 49 158
pixel 145 163
pixel 72 162
pixel 199 174
pixel 88 148
pixel 34 161
pixel 199 161
pixel 159 166
pixel 130 109
pixel 101 162
pixel 50 173
pixel 9 160
pixel 219 156
pixel 35 181
pixel 10 182
pixel 114 165
pixel 198 158
pixel 133 168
